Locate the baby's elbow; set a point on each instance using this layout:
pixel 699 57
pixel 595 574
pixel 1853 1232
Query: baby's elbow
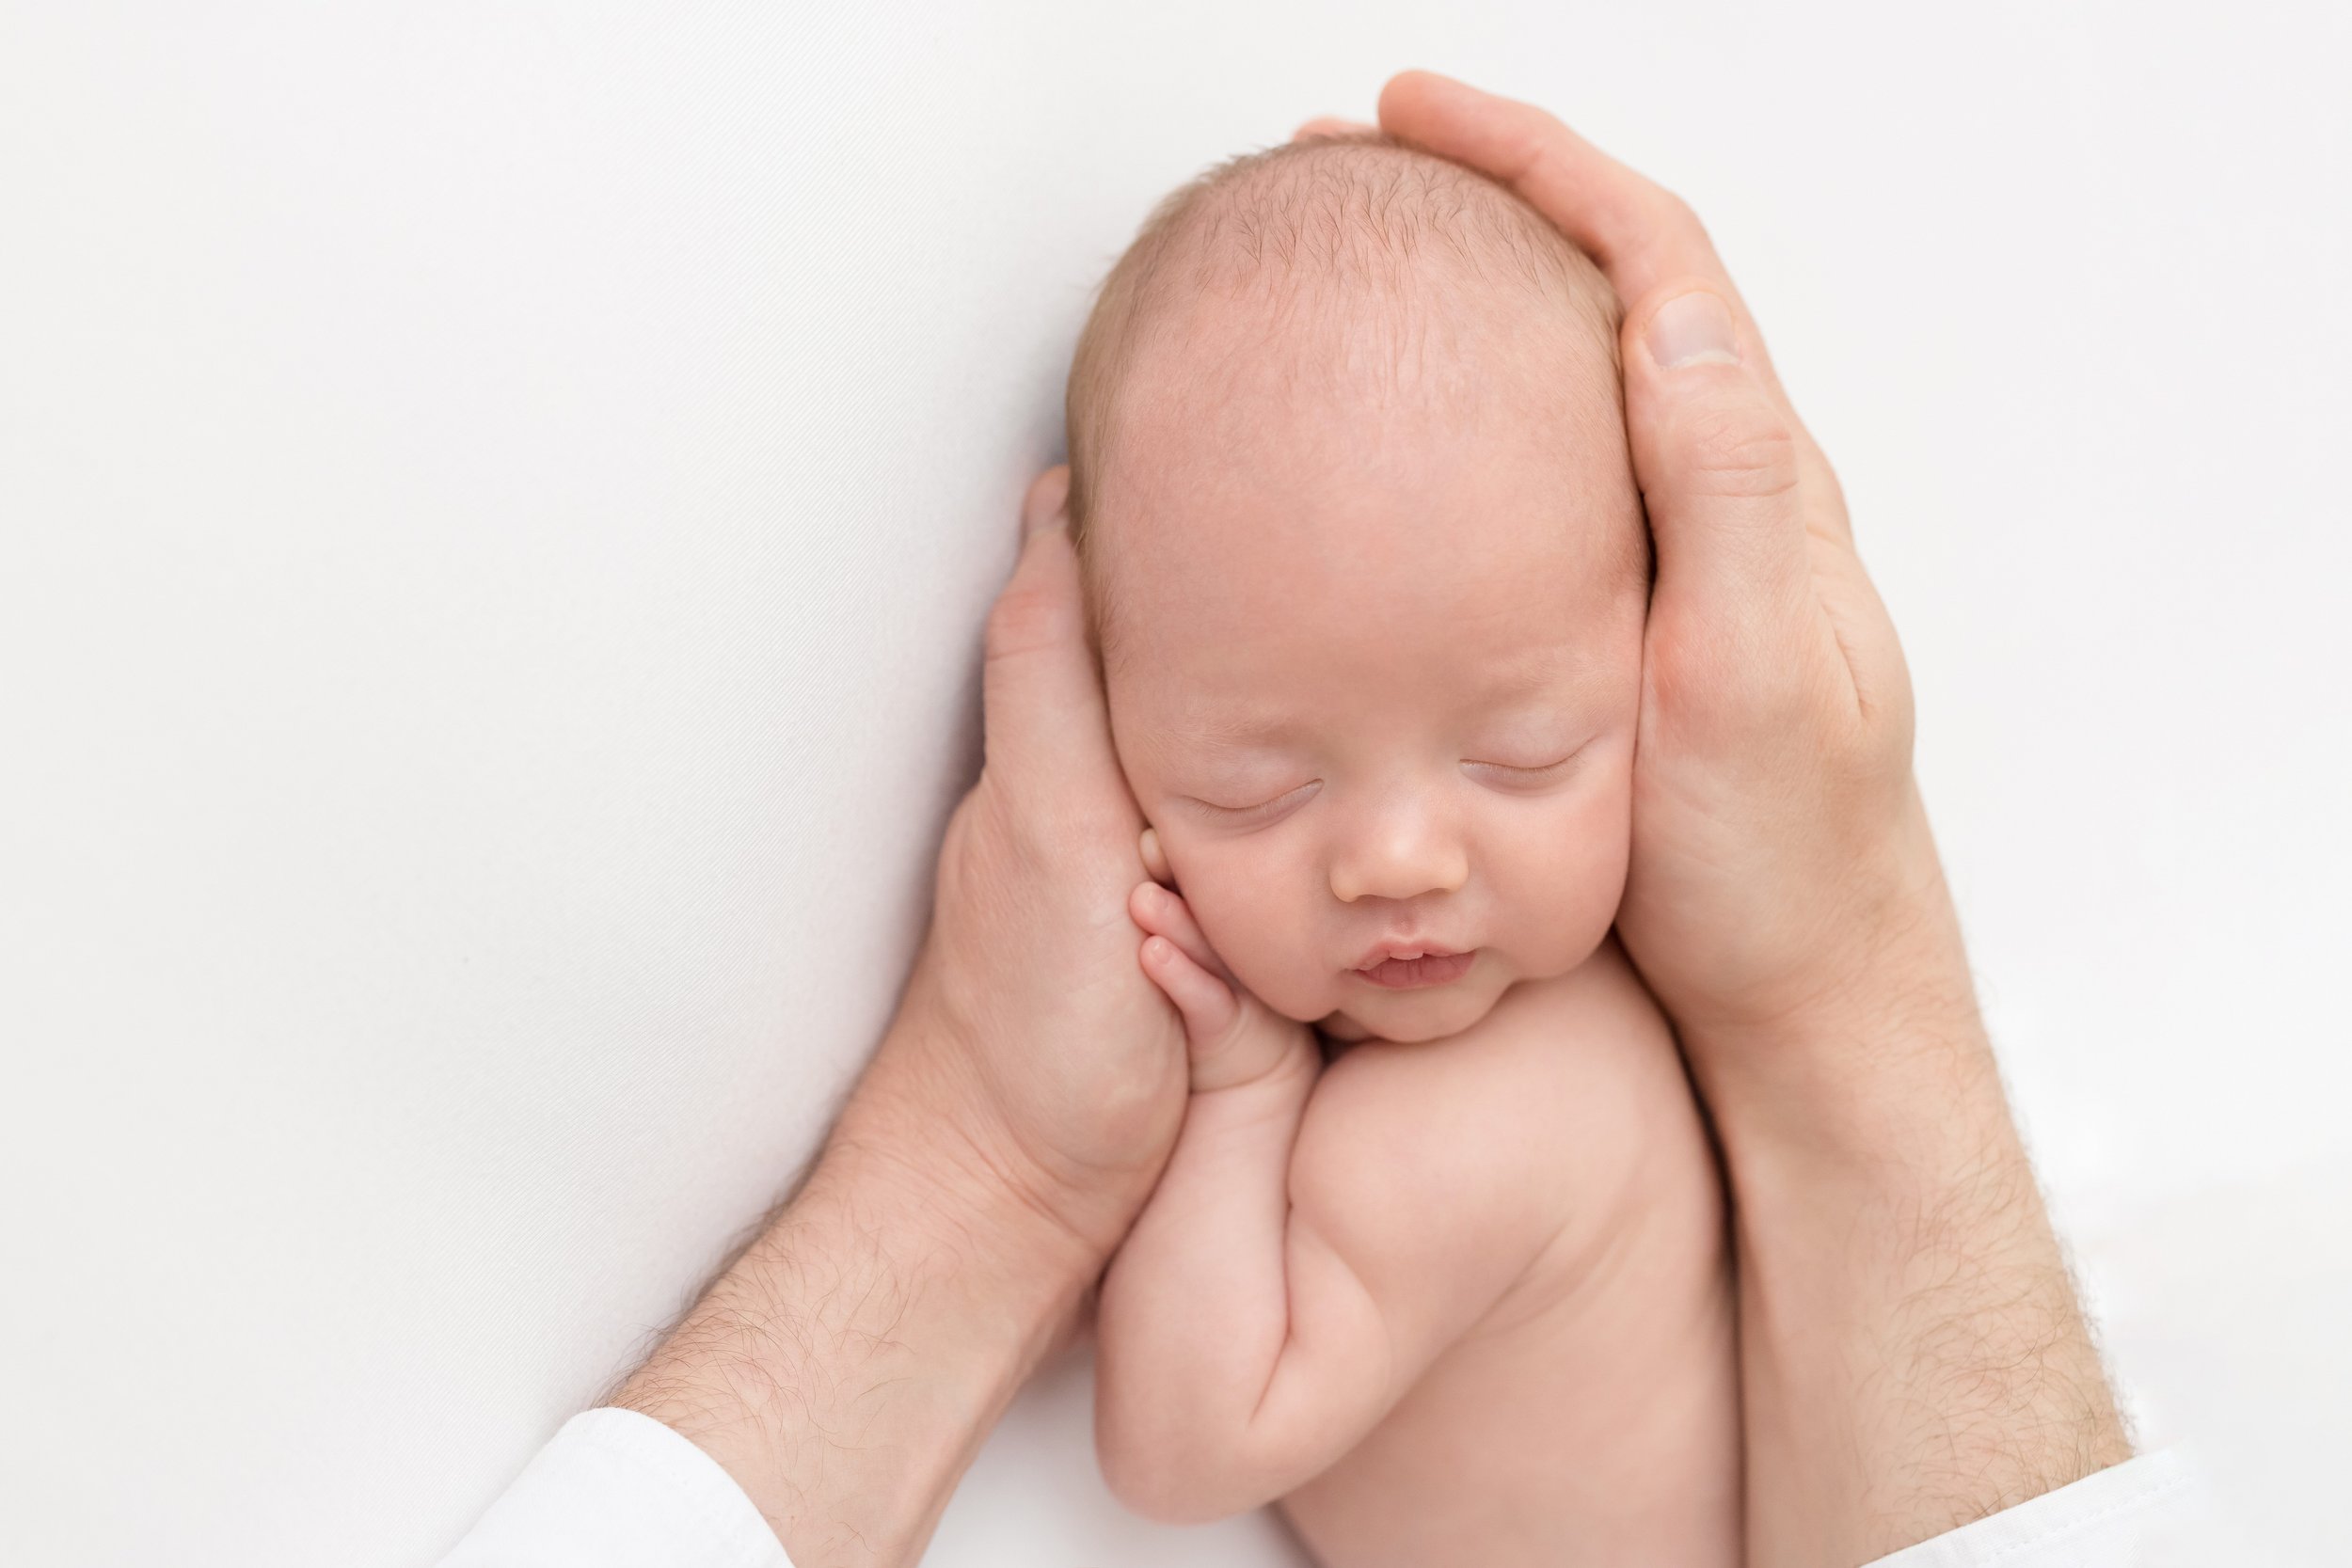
pixel 1160 1493
pixel 1177 1483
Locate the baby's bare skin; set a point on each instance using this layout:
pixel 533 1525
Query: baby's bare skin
pixel 1368 561
pixel 1509 1325
pixel 1543 1435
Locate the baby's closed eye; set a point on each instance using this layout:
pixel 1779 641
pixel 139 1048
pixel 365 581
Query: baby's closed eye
pixel 1243 812
pixel 1517 774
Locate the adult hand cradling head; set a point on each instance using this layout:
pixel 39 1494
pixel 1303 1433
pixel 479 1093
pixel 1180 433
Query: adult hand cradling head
pixel 1786 905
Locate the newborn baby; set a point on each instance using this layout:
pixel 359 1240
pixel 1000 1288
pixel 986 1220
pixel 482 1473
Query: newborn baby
pixel 1439 1259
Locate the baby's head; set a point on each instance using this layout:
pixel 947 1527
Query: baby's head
pixel 1367 567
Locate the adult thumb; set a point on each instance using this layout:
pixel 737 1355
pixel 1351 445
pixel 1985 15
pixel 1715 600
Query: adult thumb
pixel 1717 458
pixel 1042 701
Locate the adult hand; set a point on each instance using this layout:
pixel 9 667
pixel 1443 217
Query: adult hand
pixel 1015 1116
pixel 1779 840
pixel 1912 1352
pixel 1030 1045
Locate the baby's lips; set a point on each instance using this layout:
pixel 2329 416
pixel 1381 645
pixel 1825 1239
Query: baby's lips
pixel 1398 947
pixel 1430 968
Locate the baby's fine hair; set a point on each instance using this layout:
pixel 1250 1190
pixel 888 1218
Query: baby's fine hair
pixel 1360 210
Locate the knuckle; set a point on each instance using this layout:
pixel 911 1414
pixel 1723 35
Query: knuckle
pixel 1742 450
pixel 1025 619
pixel 1674 213
pixel 1671 226
pixel 1001 847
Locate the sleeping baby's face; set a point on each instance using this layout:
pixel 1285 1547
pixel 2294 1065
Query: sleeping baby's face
pixel 1370 586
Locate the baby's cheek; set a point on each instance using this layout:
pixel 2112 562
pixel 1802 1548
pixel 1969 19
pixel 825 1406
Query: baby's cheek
pixel 1249 907
pixel 1559 893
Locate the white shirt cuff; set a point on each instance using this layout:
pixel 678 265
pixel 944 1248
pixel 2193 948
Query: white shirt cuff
pixel 615 1489
pixel 2142 1511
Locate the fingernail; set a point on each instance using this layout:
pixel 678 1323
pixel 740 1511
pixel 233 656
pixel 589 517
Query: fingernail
pixel 1693 329
pixel 1045 498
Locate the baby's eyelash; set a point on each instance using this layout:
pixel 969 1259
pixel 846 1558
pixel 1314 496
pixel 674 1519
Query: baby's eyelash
pixel 1542 773
pixel 1264 809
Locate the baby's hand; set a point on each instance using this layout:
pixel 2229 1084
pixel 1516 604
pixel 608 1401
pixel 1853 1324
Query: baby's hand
pixel 1232 1038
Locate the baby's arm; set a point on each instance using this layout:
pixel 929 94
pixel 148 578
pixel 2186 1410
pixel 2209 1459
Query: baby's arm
pixel 1264 1313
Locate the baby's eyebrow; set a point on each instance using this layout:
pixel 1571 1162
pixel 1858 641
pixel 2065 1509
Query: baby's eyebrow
pixel 1550 672
pixel 1536 672
pixel 1231 732
pixel 1557 673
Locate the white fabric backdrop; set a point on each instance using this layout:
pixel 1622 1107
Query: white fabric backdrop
pixel 498 504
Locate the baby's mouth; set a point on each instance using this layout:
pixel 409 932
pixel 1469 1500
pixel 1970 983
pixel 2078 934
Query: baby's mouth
pixel 1413 970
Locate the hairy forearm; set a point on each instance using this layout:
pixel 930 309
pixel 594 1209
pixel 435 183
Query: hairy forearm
pixel 846 1367
pixel 1912 1354
pixel 1196 1308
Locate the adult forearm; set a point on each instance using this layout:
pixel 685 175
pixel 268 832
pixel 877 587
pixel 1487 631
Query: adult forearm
pixel 1912 1354
pixel 847 1368
pixel 1012 1121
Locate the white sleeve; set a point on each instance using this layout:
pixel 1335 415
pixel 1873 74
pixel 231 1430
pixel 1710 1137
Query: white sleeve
pixel 2142 1513
pixel 614 1489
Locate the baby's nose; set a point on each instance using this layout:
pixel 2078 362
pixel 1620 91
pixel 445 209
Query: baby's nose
pixel 1402 856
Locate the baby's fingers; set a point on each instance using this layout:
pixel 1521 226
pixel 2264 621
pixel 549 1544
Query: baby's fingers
pixel 1155 859
pixel 1208 1003
pixel 1232 1039
pixel 1162 913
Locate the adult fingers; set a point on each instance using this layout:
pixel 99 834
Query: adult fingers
pixel 1649 242
pixel 1331 125
pixel 1042 704
pixel 1720 476
pixel 1640 233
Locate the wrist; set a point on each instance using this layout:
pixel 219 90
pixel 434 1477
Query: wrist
pixel 1876 1049
pixel 1904 1304
pixel 847 1368
pixel 918 1135
pixel 1007 1258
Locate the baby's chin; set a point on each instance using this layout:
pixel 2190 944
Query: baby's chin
pixel 1414 1018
